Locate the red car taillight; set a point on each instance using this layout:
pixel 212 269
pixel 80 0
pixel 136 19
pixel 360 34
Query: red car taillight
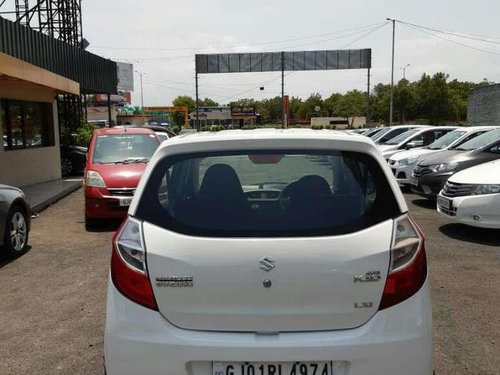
pixel 408 267
pixel 128 265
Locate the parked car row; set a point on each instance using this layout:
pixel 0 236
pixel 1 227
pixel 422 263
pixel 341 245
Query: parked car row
pixel 433 170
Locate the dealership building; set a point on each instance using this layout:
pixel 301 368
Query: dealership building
pixel 35 70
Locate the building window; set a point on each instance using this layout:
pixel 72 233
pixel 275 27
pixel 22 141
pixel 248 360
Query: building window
pixel 26 124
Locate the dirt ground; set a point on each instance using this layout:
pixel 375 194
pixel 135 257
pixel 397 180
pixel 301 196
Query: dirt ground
pixel 53 298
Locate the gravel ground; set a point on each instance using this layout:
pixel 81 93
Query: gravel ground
pixel 53 298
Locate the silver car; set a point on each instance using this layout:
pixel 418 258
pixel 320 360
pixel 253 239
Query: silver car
pixel 15 221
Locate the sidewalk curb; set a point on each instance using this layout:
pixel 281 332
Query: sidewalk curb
pixel 70 188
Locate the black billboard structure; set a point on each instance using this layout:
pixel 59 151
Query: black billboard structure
pixel 62 21
pixel 281 62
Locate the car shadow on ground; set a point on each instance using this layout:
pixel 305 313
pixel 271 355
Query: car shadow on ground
pixel 104 226
pixel 480 236
pixel 425 203
pixel 4 260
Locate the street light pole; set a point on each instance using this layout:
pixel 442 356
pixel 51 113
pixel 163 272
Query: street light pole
pixel 391 110
pixel 404 70
pixel 142 91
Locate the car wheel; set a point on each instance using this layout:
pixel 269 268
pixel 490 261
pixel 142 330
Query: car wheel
pixel 16 232
pixel 66 166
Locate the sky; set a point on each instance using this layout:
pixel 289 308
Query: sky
pixel 161 37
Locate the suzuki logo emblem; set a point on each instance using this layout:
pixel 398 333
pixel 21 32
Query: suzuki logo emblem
pixel 267 264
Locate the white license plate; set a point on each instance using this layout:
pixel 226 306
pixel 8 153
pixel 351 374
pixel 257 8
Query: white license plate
pixel 444 202
pixel 125 202
pixel 272 368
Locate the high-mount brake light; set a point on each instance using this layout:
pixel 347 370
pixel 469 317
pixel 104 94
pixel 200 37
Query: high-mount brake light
pixel 408 266
pixel 128 264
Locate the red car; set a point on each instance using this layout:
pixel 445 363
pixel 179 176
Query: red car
pixel 116 159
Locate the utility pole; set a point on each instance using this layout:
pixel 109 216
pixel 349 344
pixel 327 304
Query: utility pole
pixel 197 126
pixel 391 110
pixel 283 116
pixel 368 98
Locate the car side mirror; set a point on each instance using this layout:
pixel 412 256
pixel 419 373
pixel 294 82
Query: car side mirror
pixel 411 145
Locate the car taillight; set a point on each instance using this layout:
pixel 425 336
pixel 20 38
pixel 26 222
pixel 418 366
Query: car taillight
pixel 408 265
pixel 128 265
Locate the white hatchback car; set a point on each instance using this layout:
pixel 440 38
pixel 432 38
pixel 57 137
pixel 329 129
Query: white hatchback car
pixel 268 252
pixel 472 196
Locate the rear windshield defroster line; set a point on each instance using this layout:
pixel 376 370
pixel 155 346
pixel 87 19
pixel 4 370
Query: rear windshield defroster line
pixel 262 193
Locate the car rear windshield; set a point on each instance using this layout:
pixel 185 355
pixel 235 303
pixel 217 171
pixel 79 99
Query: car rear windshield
pixel 262 194
pixel 480 141
pixel 124 148
pixel 446 140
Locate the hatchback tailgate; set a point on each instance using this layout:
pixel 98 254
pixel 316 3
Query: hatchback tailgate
pixel 317 283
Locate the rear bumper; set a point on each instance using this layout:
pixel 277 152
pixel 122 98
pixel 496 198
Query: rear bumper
pixel 102 206
pixel 481 211
pixel 397 340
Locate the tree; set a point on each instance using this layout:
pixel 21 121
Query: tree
pixel 380 102
pixel 404 99
pixel 185 100
pixel 332 104
pixel 295 105
pixel 308 107
pixel 207 102
pixel 352 104
pixel 177 117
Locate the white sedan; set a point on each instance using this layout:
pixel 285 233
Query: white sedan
pixel 268 252
pixel 403 163
pixel 472 196
pixel 413 138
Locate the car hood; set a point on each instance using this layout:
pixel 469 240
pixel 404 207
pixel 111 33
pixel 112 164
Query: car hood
pixel 383 148
pixel 445 156
pixel 487 173
pixel 120 175
pixel 412 154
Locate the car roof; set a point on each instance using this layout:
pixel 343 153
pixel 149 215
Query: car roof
pixel 123 130
pixel 407 126
pixel 267 134
pixel 474 128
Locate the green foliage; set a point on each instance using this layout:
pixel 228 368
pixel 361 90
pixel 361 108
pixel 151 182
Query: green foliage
pixel 207 102
pixel 431 99
pixel 176 129
pixel 84 133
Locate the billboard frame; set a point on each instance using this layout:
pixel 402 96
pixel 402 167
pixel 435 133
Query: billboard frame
pixel 283 61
